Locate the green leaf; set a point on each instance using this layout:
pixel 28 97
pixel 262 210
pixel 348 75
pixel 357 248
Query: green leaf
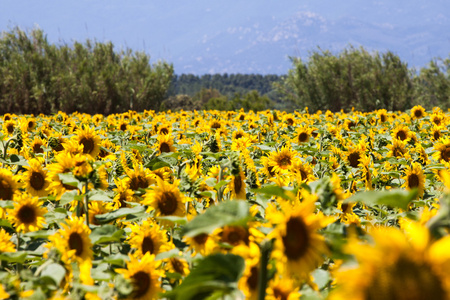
pixel 216 274
pixel 70 196
pixel 121 212
pixel 392 198
pixel 174 219
pixel 277 191
pixel 54 271
pixel 69 179
pixel 99 195
pixel 13 257
pixel 156 163
pixel 7 204
pixel 226 213
pixel 106 234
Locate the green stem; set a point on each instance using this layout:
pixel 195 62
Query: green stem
pixel 86 203
pixel 266 248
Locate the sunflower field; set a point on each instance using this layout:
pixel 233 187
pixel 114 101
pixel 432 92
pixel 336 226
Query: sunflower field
pixel 225 205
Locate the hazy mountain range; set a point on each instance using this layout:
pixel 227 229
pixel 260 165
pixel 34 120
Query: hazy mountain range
pixel 203 36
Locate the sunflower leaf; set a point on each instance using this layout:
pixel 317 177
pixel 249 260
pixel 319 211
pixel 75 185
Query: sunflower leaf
pixel 118 213
pixel 54 271
pixel 70 196
pixel 106 234
pixel 216 274
pixel 225 213
pixel 13 257
pixel 275 190
pixel 392 198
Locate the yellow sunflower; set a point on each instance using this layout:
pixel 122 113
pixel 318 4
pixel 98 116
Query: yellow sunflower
pixel 148 237
pixel 165 199
pixel 442 150
pixel 302 135
pixel 5 242
pixel 282 160
pixel 8 184
pixel 63 164
pixel 282 288
pixel 9 127
pixel 248 283
pixel 418 112
pixel 145 277
pixel 401 132
pixel 397 149
pixel 165 144
pixel 298 247
pixel 139 178
pixel 414 179
pixel 88 138
pixel 397 266
pixel 98 208
pixel 353 156
pixel 177 264
pixel 37 145
pixel 72 241
pixel 28 213
pixel 123 194
pixel 201 243
pixel 237 186
pixel 35 178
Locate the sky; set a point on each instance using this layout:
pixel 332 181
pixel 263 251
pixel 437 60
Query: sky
pixel 245 36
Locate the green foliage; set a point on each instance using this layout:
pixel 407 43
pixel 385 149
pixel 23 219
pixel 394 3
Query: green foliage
pixel 432 85
pixel 353 78
pixel 38 77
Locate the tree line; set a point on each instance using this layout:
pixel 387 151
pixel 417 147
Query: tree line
pixel 40 77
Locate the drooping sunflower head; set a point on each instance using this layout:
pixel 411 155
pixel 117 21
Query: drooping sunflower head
pixel 88 138
pixel 35 178
pixel 8 184
pixel 28 213
pixel 145 277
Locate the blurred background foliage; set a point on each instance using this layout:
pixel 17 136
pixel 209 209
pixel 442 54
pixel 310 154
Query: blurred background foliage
pixel 39 77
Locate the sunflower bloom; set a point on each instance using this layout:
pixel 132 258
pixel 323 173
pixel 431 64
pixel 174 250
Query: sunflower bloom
pixel 397 266
pixel 28 213
pixel 148 237
pixel 73 241
pixel 415 179
pixel 145 277
pixel 35 178
pixel 89 140
pixel 442 148
pixel 8 184
pixel 5 242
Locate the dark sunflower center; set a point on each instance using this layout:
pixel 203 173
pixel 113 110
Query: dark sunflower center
pixel 30 125
pixel 147 245
pixel 88 145
pixel 37 181
pixel 383 118
pixel 164 147
pixel 296 239
pixel 237 184
pixel 401 135
pixel 6 191
pixel 285 161
pixel 406 280
pixel 437 135
pixel 215 125
pixel 418 113
pixel 27 214
pixel 201 238
pixel 344 207
pixel 168 203
pixel 6 118
pixel 239 135
pixel 445 154
pixel 123 126
pixel 37 148
pixel 437 121
pixel 76 243
pixel 241 117
pixel 164 131
pixel 271 172
pixel 252 280
pixel 280 294
pixel 303 175
pixel 233 235
pixel 413 181
pixel 141 281
pixel 290 121
pixel 10 128
pixel 138 182
pixel 177 265
pixel 353 159
pixel 351 125
pixel 302 137
pixel 397 151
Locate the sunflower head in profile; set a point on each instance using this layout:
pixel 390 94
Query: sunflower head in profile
pixel 398 265
pixel 35 178
pixel 8 184
pixel 88 138
pixel 72 241
pixel 414 179
pixel 165 199
pixel 28 213
pixel 165 144
pixel 417 112
pixel 148 237
pixel 442 148
pixel 145 277
pixel 298 247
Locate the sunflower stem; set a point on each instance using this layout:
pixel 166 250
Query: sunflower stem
pixel 220 190
pixel 266 248
pixel 86 202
